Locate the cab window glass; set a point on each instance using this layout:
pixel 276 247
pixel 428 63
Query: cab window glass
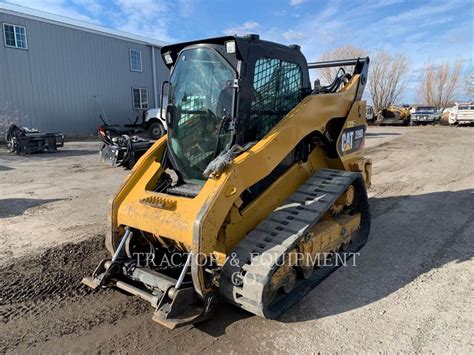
pixel 276 90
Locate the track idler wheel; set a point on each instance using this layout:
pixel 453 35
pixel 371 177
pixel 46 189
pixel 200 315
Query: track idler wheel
pixel 283 279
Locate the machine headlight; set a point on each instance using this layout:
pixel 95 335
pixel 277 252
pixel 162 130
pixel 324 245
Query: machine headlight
pixel 230 47
pixel 168 58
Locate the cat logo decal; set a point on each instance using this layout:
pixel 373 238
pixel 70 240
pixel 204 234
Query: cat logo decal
pixel 351 140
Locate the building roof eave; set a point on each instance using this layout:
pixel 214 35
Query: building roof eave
pixel 42 16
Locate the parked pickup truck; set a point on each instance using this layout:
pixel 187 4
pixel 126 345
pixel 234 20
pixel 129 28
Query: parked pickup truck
pixel 462 113
pixel 424 115
pixel 155 123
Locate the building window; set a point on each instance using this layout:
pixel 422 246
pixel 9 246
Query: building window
pixel 15 36
pixel 140 98
pixel 135 60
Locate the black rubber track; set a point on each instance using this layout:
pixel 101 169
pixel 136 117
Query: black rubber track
pixel 279 233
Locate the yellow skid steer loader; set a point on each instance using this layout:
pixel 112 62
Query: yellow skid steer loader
pixel 260 181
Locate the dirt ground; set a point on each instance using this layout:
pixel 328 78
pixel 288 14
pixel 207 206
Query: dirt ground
pixel 411 290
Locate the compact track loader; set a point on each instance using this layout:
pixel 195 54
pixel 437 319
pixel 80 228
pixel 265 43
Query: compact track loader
pixel 259 184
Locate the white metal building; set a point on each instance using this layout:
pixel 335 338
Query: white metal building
pixel 59 74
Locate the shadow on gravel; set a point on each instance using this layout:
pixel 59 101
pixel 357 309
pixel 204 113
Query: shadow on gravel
pixel 410 235
pixel 372 134
pixel 11 207
pixel 5 168
pixel 224 315
pixel 64 153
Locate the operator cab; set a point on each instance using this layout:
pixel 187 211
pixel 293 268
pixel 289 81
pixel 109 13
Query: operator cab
pixel 227 91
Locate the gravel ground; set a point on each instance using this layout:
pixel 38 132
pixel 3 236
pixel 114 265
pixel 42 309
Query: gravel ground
pixel 410 291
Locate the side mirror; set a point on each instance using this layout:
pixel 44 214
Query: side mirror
pixel 169 113
pixel 161 97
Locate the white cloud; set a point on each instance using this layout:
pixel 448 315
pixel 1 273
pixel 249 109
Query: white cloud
pixel 145 8
pixel 148 18
pixel 242 29
pixel 296 2
pixel 317 32
pixel 383 3
pixel 144 17
pixel 91 6
pixel 186 8
pixel 421 13
pixel 292 35
pixel 57 7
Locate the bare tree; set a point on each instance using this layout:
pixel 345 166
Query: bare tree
pixel 343 52
pixel 439 84
pixel 387 78
pixel 469 83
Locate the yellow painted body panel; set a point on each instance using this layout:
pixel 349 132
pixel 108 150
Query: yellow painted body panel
pixel 211 223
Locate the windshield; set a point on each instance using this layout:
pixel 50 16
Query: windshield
pixel 426 109
pixel 200 100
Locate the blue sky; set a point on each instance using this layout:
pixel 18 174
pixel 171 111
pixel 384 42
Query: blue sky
pixel 424 30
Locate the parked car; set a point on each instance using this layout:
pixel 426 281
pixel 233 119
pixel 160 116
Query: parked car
pixel 462 113
pixel 394 115
pixel 424 115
